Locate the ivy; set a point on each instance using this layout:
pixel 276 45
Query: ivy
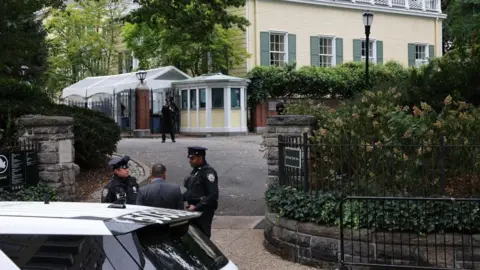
pixel 405 215
pixel 36 193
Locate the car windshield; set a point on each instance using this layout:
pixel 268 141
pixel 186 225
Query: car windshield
pixel 151 248
pixel 183 248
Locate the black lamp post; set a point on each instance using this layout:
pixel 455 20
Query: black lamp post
pixel 367 21
pixel 141 75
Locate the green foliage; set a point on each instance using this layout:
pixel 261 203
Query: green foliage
pixel 83 41
pixel 382 133
pixel 380 215
pixel 186 34
pixel 23 37
pixel 36 193
pixel 96 134
pixel 337 82
pixel 462 26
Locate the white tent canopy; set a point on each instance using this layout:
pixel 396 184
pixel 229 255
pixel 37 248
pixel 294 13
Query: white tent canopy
pixel 157 79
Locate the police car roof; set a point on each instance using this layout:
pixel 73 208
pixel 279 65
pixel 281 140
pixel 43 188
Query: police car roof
pixel 76 218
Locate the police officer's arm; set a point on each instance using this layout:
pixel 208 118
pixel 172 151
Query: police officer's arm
pixel 210 181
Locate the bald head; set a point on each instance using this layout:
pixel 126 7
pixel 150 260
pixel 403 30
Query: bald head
pixel 159 171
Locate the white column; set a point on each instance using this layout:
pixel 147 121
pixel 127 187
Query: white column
pixel 208 107
pixel 197 91
pixel 242 109
pixel 188 110
pixel 227 106
pixel 424 5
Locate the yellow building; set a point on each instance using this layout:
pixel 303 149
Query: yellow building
pixel 329 33
pixel 213 104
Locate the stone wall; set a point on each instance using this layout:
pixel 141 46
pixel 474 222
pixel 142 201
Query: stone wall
pixel 56 165
pixel 289 125
pixel 319 246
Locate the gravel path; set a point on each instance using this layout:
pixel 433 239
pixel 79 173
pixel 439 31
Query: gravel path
pixel 239 163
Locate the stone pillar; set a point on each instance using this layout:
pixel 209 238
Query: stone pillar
pixel 56 165
pixel 287 125
pixel 142 111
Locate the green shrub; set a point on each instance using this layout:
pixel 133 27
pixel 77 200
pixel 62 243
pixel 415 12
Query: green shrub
pixel 381 215
pixel 96 134
pixel 393 149
pixel 36 193
pixel 338 82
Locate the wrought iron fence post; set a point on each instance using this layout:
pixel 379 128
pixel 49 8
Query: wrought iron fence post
pixel 306 185
pixel 281 159
pixel 442 163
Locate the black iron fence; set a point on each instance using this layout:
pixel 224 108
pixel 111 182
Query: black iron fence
pixel 440 168
pixel 18 166
pixel 410 233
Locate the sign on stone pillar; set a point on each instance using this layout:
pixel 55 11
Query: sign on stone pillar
pixel 56 165
pixel 287 125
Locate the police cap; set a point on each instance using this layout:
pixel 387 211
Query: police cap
pixel 119 162
pixel 196 151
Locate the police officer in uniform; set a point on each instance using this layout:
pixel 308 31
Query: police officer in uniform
pixel 122 185
pixel 202 189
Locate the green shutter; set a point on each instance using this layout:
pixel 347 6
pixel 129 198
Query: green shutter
pixel 411 54
pixel 339 51
pixel 357 50
pixel 292 48
pixel 314 51
pixel 379 52
pixel 431 52
pixel 264 48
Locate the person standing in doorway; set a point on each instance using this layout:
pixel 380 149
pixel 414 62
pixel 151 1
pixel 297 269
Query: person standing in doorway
pixel 167 122
pixel 159 193
pixel 202 189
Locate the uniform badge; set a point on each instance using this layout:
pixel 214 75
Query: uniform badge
pixel 134 189
pixel 105 192
pixel 211 177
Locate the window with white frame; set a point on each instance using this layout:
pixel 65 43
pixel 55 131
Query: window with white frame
pixel 371 50
pixel 278 49
pixel 327 51
pixel 421 54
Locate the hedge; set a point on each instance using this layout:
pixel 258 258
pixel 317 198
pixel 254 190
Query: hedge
pixel 338 82
pixel 36 193
pixel 387 215
pixel 96 135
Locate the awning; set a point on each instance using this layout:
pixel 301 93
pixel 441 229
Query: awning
pixel 157 79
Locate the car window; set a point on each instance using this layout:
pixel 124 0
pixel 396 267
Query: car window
pixel 35 252
pixel 182 248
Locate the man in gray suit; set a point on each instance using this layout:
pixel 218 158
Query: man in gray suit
pixel 159 193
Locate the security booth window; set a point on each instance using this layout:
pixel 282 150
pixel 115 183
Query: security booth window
pixel 184 99
pixel 193 98
pixel 235 97
pixel 217 98
pixel 203 97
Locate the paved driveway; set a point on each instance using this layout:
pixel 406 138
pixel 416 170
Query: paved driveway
pixel 240 165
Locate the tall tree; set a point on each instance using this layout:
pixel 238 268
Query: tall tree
pixel 22 41
pixel 83 41
pixel 188 34
pixel 463 25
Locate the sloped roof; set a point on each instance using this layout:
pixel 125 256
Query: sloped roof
pixel 156 79
pixel 212 78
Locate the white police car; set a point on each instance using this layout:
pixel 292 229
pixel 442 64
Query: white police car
pixel 89 236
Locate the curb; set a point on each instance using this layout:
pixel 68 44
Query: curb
pixel 146 170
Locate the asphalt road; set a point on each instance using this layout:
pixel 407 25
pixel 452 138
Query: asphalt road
pixel 238 160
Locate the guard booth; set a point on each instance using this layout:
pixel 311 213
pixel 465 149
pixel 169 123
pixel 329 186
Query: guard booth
pixel 213 104
pixel 115 95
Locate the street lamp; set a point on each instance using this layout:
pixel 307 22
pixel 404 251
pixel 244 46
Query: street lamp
pixel 23 70
pixel 141 75
pixel 367 21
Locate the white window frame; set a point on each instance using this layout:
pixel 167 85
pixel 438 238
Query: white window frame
pixel 334 49
pixel 374 50
pixel 285 46
pixel 421 62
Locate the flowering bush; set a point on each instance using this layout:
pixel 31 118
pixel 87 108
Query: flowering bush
pixel 377 145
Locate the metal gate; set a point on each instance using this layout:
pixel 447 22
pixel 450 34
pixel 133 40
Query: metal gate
pixel 380 233
pixel 125 107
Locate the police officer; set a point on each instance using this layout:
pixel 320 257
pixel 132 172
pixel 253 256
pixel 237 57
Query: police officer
pixel 202 189
pixel 122 185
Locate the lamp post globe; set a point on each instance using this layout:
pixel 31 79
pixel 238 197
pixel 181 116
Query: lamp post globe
pixel 141 75
pixel 367 22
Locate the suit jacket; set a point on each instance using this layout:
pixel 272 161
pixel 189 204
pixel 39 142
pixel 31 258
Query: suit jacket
pixel 161 194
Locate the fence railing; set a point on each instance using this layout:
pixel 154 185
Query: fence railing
pixel 348 168
pixel 423 5
pixel 410 233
